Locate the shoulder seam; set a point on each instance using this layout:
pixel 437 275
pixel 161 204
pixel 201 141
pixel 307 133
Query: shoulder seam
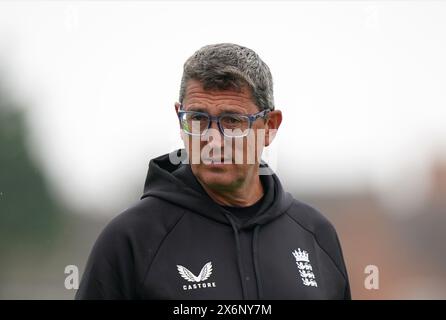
pixel 157 250
pixel 320 246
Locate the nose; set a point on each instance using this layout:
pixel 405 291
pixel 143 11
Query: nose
pixel 214 137
pixel 214 131
pixel 214 124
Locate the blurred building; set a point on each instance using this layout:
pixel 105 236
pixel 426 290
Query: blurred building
pixel 408 249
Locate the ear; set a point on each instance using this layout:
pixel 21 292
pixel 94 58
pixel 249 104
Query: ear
pixel 273 122
pixel 177 108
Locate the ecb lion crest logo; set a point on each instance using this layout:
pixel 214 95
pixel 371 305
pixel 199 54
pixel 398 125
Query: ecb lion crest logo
pixel 305 268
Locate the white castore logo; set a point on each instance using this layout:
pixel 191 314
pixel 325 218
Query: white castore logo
pixel 198 281
pixel 305 268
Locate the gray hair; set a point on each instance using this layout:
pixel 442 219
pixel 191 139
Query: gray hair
pixel 226 66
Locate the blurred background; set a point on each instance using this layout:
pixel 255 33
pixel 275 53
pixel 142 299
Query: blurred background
pixel 87 92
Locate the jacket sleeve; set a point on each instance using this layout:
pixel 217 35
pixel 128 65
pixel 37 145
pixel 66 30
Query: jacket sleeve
pixel 327 237
pixel 109 270
pixel 330 240
pixel 347 294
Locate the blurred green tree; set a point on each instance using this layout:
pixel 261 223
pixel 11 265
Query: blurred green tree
pixel 29 215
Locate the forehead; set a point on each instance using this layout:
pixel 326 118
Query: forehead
pixel 231 100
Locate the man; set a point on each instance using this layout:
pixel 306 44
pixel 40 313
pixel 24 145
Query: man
pixel 214 221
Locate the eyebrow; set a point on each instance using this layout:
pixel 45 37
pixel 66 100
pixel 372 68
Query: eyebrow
pixel 224 110
pixel 200 109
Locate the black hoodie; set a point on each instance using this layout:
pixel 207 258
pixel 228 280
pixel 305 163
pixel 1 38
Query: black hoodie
pixel 177 243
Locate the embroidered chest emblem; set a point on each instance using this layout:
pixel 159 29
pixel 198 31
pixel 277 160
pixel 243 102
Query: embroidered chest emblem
pixel 199 281
pixel 305 268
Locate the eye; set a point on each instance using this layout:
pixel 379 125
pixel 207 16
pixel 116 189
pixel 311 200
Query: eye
pixel 198 117
pixel 232 119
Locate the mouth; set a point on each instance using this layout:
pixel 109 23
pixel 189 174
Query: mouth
pixel 214 161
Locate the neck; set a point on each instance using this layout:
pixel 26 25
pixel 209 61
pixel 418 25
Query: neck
pixel 245 195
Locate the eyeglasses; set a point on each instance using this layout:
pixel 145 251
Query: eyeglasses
pixel 232 125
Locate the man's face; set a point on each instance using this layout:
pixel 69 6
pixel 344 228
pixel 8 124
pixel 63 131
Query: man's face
pixel 224 175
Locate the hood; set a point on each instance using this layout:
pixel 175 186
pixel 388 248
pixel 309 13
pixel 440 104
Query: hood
pixel 177 184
